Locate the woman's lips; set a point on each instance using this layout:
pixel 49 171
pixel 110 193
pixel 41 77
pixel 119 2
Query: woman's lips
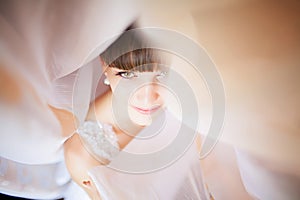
pixel 146 110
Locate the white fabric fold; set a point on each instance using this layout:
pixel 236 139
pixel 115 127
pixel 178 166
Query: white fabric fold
pixel 50 50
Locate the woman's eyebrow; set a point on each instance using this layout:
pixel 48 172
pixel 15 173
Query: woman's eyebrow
pixel 116 70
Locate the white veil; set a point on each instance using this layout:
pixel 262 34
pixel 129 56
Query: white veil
pixel 48 55
pixel 48 43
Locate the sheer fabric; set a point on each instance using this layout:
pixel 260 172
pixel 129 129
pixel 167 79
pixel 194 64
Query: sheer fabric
pixel 46 42
pixel 263 182
pixel 47 181
pixel 52 47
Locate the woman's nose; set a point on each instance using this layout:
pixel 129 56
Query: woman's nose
pixel 147 95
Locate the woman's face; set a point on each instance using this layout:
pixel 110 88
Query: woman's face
pixel 144 94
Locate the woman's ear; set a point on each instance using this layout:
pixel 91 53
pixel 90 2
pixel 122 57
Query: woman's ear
pixel 101 61
pixel 104 70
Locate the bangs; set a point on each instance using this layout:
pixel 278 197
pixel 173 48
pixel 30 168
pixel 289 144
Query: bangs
pixel 130 52
pixel 142 60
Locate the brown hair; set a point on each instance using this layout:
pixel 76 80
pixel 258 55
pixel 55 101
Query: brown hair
pixel 128 53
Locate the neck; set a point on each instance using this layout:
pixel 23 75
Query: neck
pixel 101 108
pixel 102 111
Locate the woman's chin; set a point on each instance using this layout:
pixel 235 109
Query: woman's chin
pixel 141 119
pixel 143 122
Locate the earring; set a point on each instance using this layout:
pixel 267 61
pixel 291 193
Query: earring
pixel 106 81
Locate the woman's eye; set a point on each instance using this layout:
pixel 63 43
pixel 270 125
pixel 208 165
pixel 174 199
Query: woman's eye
pixel 127 75
pixel 161 75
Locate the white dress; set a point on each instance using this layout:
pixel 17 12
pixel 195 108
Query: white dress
pixel 166 165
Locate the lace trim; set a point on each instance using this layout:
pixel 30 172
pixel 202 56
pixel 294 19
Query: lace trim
pixel 100 140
